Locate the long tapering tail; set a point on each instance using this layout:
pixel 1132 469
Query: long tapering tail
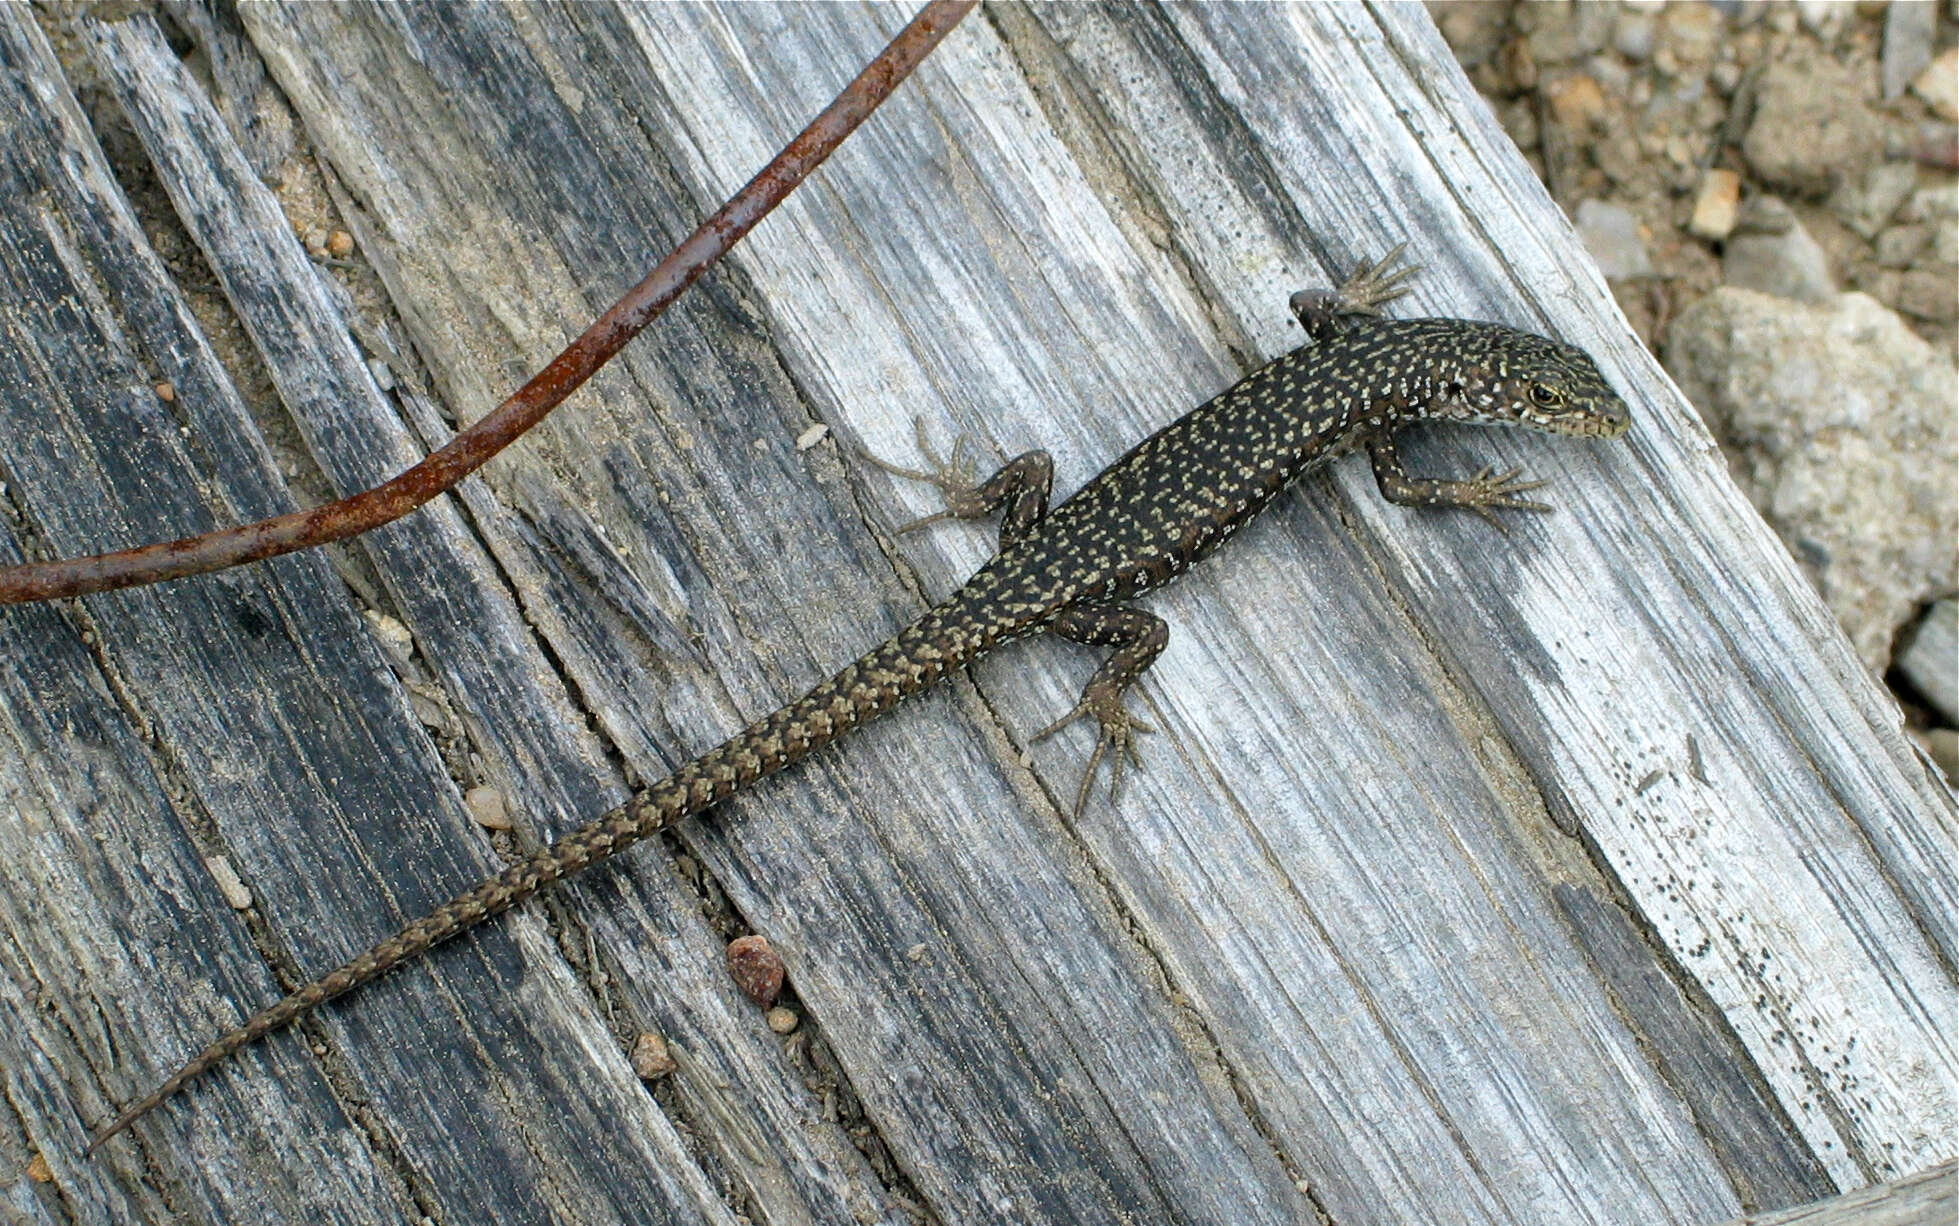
pixel 946 638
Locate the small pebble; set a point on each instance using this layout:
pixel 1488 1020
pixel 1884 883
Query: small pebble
pixel 1869 204
pixel 1632 36
pixel 811 437
pixel 1899 246
pixel 389 628
pixel 38 1169
pixel 782 1020
pixel 756 968
pixel 1938 85
pixel 651 1059
pixel 1930 658
pixel 1716 205
pixel 315 241
pixel 429 710
pixel 1824 18
pixel 1925 293
pixel 340 244
pixel 1937 149
pixel 1576 101
pixel 229 885
pixel 487 808
pixel 166 392
pixel 1692 33
pixel 1789 265
pixel 1772 252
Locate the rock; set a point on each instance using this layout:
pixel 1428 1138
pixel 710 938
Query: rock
pixel 1562 33
pixel 1867 205
pixel 756 968
pixel 1837 420
pixel 1900 246
pixel 487 809
pixel 1930 659
pixel 229 885
pixel 1804 139
pixel 651 1058
pixel 1473 31
pixel 1923 293
pixel 1908 32
pixel 1942 746
pixel 1611 233
pixel 1825 18
pixel 1772 252
pixel 1692 33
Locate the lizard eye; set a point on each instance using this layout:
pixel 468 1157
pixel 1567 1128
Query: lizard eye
pixel 1545 397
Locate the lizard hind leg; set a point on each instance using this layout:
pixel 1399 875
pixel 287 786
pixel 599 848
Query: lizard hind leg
pixel 1022 485
pixel 1138 638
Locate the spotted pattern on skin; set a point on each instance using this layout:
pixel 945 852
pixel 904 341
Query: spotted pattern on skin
pixel 1170 502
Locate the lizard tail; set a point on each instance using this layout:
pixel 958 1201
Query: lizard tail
pixel 914 659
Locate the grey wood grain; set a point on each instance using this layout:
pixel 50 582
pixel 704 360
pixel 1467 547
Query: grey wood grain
pixel 1426 908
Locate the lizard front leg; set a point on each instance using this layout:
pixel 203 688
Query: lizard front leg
pixel 1138 638
pixel 1023 485
pixel 1479 493
pixel 1321 312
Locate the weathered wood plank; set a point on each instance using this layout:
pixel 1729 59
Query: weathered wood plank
pixel 1682 619
pixel 1930 1198
pixel 259 694
pixel 1407 903
pixel 926 937
pixel 472 631
pixel 103 868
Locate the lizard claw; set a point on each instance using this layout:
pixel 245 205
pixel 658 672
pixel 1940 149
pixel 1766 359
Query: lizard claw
pixel 1118 731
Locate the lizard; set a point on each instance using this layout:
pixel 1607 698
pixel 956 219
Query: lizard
pixel 1073 569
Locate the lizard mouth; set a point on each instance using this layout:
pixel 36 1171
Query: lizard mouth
pixel 1613 425
pixel 1606 424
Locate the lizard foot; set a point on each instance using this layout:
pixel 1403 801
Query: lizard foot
pixel 1485 492
pixel 1364 293
pixel 1118 732
pixel 953 475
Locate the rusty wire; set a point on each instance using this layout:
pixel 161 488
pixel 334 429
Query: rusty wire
pixel 529 405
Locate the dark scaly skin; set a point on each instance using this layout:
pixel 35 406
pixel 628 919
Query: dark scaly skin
pixel 1140 523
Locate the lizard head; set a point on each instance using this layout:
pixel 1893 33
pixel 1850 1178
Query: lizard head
pixel 1501 375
